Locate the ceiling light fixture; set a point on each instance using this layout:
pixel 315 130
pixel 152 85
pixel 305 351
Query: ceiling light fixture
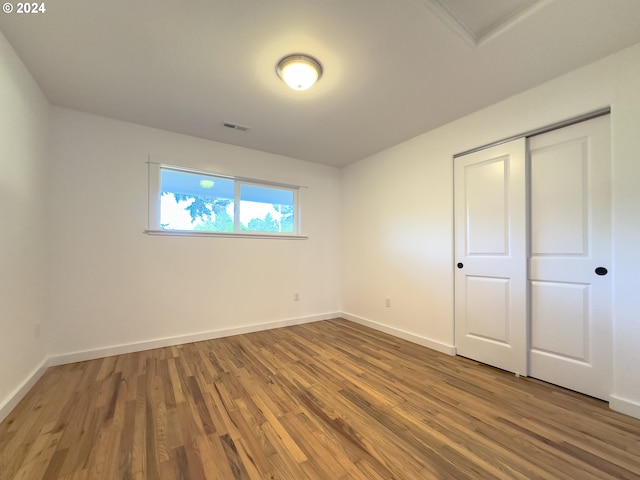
pixel 299 71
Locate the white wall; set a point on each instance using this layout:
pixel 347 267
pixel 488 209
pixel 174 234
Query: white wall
pixel 23 268
pixel 397 229
pixel 113 285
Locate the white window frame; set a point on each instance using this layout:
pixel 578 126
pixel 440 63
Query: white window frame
pixel 154 189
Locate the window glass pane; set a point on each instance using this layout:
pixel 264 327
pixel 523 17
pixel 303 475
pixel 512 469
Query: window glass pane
pixel 191 201
pixel 266 209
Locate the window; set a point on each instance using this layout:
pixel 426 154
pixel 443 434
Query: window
pixel 192 202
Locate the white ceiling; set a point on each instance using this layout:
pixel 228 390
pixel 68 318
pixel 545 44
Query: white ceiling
pixel 392 68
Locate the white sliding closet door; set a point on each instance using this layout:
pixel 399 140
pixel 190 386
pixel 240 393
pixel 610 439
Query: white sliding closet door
pixel 490 279
pixel 552 322
pixel 570 289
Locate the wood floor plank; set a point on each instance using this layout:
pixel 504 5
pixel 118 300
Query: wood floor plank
pixel 328 400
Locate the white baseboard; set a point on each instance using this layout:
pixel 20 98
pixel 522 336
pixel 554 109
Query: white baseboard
pixel 411 337
pixel 84 355
pixel 624 405
pixel 19 393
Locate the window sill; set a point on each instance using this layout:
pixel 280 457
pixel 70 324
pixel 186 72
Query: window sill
pixel 191 233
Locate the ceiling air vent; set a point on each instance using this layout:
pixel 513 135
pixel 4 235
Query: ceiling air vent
pixel 236 126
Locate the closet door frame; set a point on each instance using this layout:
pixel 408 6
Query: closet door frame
pixel 461 305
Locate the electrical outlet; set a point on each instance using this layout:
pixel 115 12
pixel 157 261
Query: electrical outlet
pixel 296 297
pixel 37 330
pixel 387 302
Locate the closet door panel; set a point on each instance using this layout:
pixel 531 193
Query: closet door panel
pixel 570 239
pixel 490 279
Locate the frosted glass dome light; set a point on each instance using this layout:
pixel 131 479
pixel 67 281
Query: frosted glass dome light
pixel 300 72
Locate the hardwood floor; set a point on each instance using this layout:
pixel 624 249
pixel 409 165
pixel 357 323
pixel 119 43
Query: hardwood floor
pixel 328 400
